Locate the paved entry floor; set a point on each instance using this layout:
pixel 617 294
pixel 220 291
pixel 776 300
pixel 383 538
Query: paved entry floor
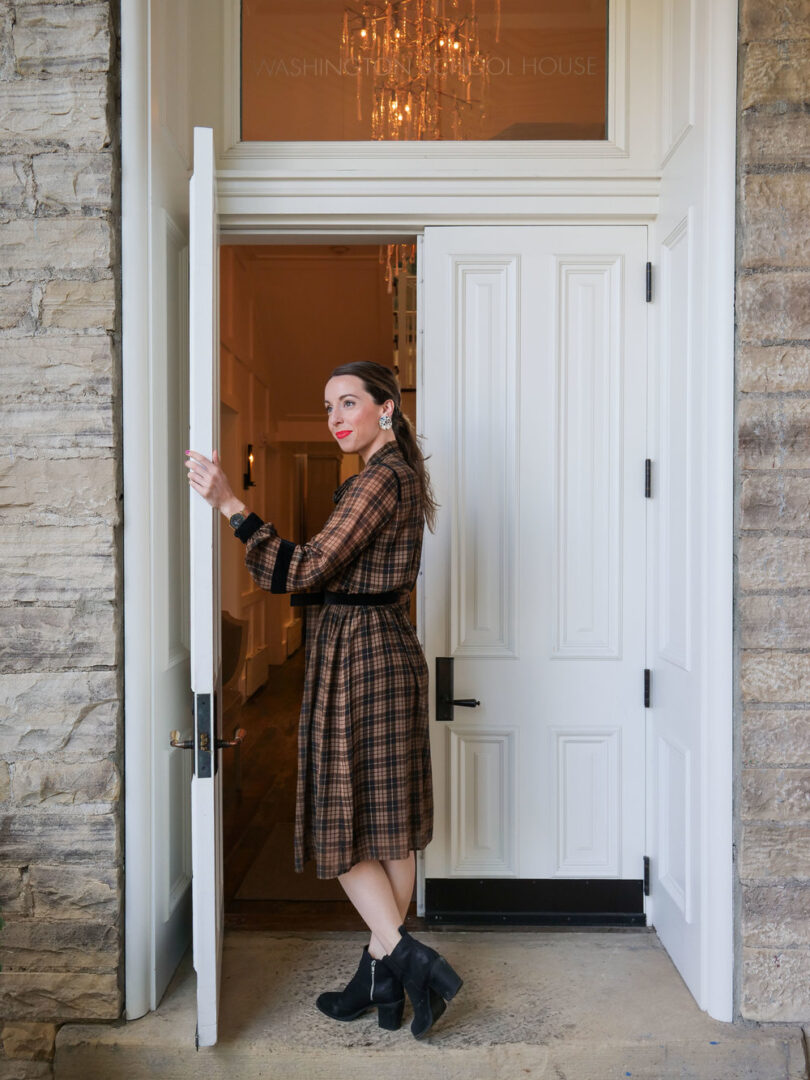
pixel 535 1005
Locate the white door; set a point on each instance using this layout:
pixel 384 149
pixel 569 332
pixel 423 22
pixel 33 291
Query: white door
pixel 206 663
pixel 533 408
pixel 691 411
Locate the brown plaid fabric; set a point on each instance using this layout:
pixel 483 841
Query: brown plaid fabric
pixel 364 782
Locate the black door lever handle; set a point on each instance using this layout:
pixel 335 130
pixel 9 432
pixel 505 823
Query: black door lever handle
pixel 444 690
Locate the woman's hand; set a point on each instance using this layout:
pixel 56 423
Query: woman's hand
pixel 207 479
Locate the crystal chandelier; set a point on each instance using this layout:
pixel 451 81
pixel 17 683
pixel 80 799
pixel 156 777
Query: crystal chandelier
pixel 423 57
pixel 398 259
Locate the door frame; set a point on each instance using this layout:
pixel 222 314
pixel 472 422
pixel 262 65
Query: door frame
pixel 625 199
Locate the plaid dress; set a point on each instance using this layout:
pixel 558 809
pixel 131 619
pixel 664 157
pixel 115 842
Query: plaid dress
pixel 364 782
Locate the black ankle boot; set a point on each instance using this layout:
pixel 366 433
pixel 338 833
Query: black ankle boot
pixel 373 986
pixel 427 977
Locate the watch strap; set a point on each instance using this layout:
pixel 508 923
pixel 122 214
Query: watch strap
pixel 248 527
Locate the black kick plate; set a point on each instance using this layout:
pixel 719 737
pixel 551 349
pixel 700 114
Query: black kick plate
pixel 536 902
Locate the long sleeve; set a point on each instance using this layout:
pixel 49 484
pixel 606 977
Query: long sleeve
pixel 365 506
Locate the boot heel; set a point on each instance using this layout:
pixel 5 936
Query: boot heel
pixel 444 980
pixel 390 1016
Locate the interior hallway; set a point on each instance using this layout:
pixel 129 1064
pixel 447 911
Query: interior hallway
pixel 535 1005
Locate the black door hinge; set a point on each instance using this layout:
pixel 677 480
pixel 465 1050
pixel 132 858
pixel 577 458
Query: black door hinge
pixel 648 479
pixel 646 875
pixel 649 282
pixel 646 688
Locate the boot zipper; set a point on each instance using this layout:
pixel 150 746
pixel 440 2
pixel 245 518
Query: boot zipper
pixel 373 965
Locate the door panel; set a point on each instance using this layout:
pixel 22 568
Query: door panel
pixel 675 727
pixel 169 600
pixel 534 414
pixel 206 651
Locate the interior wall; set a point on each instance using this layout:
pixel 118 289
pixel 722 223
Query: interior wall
pixel 289 315
pixel 317 307
pixel 245 421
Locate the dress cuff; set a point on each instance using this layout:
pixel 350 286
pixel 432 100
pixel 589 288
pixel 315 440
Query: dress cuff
pixel 285 554
pixel 248 527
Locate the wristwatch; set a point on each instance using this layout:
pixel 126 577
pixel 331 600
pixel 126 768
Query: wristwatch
pixel 235 520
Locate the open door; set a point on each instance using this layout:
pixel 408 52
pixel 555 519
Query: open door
pixel 206 663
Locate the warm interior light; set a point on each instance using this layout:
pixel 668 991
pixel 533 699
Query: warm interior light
pixel 247 478
pixel 408 42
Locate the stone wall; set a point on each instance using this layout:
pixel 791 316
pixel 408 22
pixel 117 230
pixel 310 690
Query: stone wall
pixel 773 505
pixel 60 543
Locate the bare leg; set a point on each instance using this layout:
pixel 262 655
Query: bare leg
pixel 369 888
pixel 401 873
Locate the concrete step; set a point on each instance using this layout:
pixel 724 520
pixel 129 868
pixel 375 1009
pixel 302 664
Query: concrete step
pixel 535 1005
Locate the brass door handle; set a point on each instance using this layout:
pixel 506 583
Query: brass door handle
pixel 238 735
pixel 188 744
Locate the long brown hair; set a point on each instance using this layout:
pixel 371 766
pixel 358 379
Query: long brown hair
pixel 381 383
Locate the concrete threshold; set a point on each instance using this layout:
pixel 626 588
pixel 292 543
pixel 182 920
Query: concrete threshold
pixel 535 1005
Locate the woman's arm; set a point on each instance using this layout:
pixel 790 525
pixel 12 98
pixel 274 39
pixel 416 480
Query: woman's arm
pixel 282 566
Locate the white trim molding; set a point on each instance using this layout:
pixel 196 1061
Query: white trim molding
pixel 374 192
pixel 431 157
pixel 390 190
pixel 137 409
pixel 717 698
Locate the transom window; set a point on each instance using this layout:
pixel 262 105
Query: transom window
pixel 327 70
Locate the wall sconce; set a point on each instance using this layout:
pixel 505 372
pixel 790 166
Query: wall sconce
pixel 249 482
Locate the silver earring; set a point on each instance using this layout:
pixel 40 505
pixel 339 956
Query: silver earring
pixel 385 422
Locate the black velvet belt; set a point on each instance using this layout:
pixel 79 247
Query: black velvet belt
pixel 366 599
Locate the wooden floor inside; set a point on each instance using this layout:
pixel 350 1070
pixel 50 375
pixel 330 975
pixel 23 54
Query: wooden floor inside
pixel 258 798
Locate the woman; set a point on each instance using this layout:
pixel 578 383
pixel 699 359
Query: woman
pixel 364 801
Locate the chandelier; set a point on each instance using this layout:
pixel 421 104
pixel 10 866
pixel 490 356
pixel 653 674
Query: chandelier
pixel 424 60
pixel 398 259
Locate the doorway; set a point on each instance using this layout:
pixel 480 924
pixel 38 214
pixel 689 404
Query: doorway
pixel 289 314
pixel 532 401
pixel 669 164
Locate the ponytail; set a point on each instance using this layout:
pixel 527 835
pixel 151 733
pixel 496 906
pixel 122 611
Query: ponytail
pixel 381 383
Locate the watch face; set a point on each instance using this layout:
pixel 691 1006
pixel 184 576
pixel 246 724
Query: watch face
pixel 235 520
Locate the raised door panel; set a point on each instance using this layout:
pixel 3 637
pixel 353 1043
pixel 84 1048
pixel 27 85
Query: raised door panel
pixel 485 510
pixel 674 494
pixel 588 553
pixel 482 791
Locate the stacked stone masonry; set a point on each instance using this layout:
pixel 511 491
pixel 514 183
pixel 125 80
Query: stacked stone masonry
pixel 61 888
pixel 61 610
pixel 773 509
